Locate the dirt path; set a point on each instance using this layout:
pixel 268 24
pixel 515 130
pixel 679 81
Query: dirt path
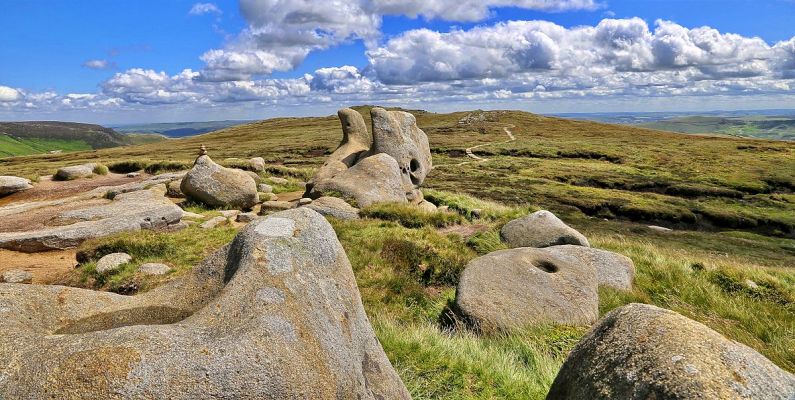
pixel 48 189
pixel 470 150
pixel 46 267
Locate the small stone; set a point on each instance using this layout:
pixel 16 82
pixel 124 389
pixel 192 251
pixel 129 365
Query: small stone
pixel 13 184
pixel 246 217
pixel 304 201
pixel 133 174
pixel 540 229
pixel 427 206
pixel 275 206
pixel 16 276
pixel 190 215
pixel 751 284
pixel 154 269
pixel 278 181
pixel 213 222
pixel 75 172
pixel 177 227
pixel 112 262
pixel 265 188
pixel 229 213
pixel 443 209
pixel 257 164
pixel 476 213
pixel 334 207
pixel 659 228
pixel 263 197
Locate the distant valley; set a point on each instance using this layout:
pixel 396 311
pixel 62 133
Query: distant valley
pixel 762 124
pixel 179 129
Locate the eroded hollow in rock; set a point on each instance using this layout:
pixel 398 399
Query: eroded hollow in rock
pixel 546 266
pixel 151 315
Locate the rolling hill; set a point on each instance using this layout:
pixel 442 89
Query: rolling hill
pixel 33 137
pixel 178 129
pixel 763 127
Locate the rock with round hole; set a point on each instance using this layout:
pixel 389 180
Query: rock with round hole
pixel 521 287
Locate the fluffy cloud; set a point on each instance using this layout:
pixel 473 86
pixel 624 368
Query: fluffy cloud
pixel 204 8
pixel 8 94
pixel 281 33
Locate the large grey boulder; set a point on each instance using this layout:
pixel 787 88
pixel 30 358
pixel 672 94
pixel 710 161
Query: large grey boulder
pixel 386 166
pixel 334 207
pixel 372 180
pixel 131 211
pixel 13 184
pixel 396 133
pixel 641 351
pixel 75 172
pixel 540 229
pixel 217 186
pixel 276 314
pixel 515 288
pixel 612 270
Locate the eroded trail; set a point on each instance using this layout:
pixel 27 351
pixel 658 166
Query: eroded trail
pixel 470 150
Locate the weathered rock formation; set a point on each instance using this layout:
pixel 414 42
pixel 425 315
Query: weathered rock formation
pixel 131 211
pixel 526 286
pixel 388 165
pixel 276 314
pixel 640 351
pixel 540 229
pixel 217 186
pixel 13 184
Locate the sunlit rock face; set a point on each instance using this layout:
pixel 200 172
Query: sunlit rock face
pixel 388 165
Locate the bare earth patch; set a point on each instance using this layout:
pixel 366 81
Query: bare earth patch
pixel 46 267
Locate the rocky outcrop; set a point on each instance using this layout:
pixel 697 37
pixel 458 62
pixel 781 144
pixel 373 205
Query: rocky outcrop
pixel 640 351
pixel 75 172
pixel 540 229
pixel 217 186
pixel 388 165
pixel 132 211
pixel 375 179
pixel 334 207
pixel 525 286
pixel 275 314
pixel 612 270
pixel 13 184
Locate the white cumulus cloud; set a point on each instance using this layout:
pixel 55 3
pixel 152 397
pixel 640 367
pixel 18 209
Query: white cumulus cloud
pixel 204 8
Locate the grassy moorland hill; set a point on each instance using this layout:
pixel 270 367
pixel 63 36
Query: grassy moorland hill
pixel 35 137
pixel 728 262
pixel 764 127
pixel 178 129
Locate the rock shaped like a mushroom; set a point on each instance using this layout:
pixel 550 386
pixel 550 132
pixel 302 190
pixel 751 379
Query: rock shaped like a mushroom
pixel 218 186
pixel 275 314
pixel 641 351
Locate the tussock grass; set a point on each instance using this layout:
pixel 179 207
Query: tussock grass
pixel 410 216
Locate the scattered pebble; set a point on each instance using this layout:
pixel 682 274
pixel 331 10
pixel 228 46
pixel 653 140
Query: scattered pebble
pixel 112 262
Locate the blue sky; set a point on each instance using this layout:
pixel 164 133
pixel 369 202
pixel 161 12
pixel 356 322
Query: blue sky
pixel 118 62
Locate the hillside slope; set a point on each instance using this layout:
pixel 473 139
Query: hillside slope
pixel 31 137
pixel 764 127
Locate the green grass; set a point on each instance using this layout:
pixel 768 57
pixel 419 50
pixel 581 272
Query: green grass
pixel 11 147
pixel 410 216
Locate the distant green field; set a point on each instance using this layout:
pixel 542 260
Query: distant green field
pixel 10 146
pixel 762 127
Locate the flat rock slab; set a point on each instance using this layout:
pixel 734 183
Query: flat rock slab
pixel 145 209
pixel 16 276
pixel 640 351
pixel 276 314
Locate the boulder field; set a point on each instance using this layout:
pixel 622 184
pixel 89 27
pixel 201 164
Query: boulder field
pixel 275 314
